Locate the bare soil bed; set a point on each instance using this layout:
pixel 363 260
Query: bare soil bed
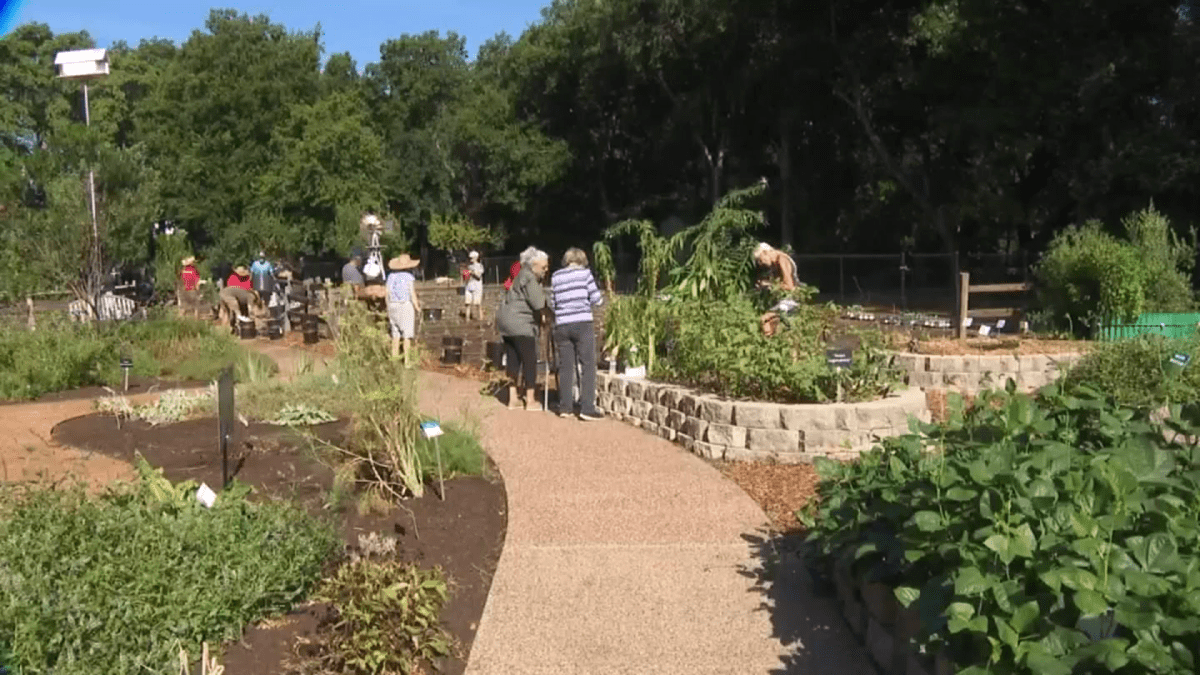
pixel 463 534
pixel 780 489
pixel 997 346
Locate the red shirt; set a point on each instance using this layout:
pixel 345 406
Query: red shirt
pixel 190 278
pixel 512 275
pixel 238 282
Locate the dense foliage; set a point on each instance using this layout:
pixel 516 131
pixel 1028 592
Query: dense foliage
pixel 60 355
pixel 1054 534
pixel 865 121
pixel 130 578
pixel 1137 373
pixel 1089 277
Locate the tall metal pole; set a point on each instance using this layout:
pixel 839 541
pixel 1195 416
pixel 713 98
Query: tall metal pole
pixel 95 272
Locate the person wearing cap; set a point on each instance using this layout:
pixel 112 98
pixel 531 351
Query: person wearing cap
pixel 473 293
pixel 776 270
pixel 238 296
pixel 262 273
pixel 352 271
pixel 402 304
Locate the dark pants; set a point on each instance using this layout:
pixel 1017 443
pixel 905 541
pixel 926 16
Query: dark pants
pixel 520 352
pixel 576 344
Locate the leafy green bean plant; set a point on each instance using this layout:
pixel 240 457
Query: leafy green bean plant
pixel 1050 534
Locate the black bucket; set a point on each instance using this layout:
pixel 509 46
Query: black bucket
pixel 311 326
pixel 452 355
pixel 246 330
pixel 452 342
pixel 275 329
pixel 432 314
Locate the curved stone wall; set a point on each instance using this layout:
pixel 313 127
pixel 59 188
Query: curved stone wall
pixel 719 428
pixel 972 373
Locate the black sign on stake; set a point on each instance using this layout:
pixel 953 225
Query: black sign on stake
pixel 839 358
pixel 225 420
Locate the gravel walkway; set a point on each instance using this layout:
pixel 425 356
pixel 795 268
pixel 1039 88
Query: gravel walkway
pixel 626 555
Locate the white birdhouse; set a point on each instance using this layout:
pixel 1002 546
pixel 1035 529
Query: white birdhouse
pixel 82 64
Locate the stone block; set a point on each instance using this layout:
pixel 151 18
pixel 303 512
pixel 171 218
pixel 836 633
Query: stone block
pixel 807 417
pixel 1003 364
pixel 689 404
pixel 676 419
pixel 633 421
pixel 616 386
pixel 1031 381
pixel 756 415
pixel 880 645
pixel 991 380
pixel 952 364
pixel 650 427
pixel 934 364
pixel 869 416
pixel 695 427
pixel 618 404
pixel 971 363
pixel 880 602
pixel 817 439
pixel 726 435
pixel 635 389
pixel 925 380
pixel 651 392
pixel 708 450
pixel 640 409
pixel 671 396
pixel 658 415
pixel 855 615
pixel 687 442
pixel 909 362
pixel 1034 363
pixel 773 440
pixel 716 411
pixel 966 382
pixel 844 418
pixel 667 433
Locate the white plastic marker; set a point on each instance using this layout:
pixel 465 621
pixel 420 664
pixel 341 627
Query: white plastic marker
pixel 206 496
pixel 1000 324
pixel 968 321
pixel 433 430
pixel 984 330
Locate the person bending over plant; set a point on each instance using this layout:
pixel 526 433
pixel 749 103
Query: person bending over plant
pixel 777 278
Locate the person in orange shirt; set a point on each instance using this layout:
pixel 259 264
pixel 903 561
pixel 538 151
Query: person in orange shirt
pixel 189 288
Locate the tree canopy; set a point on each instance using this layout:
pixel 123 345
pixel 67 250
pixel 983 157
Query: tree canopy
pixel 926 125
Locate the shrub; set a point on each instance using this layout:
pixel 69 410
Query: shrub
pixel 129 578
pixel 387 619
pixel 462 455
pixel 1135 372
pixel 1088 276
pixel 1017 529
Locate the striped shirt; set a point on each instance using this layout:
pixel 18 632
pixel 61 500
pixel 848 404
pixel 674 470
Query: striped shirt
pixel 573 292
pixel 399 287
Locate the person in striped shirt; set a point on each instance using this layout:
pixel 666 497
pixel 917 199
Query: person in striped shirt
pixel 573 293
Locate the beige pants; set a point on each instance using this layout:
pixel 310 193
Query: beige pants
pixel 237 301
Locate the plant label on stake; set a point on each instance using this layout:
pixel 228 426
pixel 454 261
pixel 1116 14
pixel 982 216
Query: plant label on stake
pixel 432 430
pixel 1178 362
pixel 126 366
pixel 225 419
pixel 1000 324
pixel 838 359
pixel 206 496
pixel 984 331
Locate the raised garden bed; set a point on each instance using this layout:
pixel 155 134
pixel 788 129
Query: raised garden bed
pixel 719 428
pixel 463 534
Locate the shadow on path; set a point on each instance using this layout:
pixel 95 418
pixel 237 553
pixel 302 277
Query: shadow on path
pixel 804 613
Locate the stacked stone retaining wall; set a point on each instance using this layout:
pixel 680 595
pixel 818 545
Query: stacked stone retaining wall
pixel 972 373
pixel 718 428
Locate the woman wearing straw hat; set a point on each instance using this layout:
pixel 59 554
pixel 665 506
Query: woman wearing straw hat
pixel 189 288
pixel 402 304
pixel 238 296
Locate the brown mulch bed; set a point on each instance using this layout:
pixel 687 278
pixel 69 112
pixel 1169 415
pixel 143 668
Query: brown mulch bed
pixel 463 534
pixel 1002 345
pixel 780 489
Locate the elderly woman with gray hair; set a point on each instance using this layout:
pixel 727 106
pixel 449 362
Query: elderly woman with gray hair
pixel 517 320
pixel 573 293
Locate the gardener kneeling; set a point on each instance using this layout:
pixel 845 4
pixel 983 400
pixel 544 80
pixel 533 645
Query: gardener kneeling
pixel 778 270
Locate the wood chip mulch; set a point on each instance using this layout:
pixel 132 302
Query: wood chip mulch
pixel 1001 345
pixel 780 489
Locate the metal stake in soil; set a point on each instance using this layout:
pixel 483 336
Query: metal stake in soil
pixel 437 450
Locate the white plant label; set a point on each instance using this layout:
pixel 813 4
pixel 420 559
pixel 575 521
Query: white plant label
pixel 206 496
pixel 968 321
pixel 985 330
pixel 1000 324
pixel 431 429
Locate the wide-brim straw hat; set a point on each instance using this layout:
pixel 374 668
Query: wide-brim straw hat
pixel 402 263
pixel 473 255
pixel 190 260
pixel 241 271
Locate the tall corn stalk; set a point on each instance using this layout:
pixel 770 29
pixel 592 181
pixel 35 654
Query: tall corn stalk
pixel 385 423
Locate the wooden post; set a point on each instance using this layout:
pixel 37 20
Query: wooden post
pixel 964 292
pixel 32 321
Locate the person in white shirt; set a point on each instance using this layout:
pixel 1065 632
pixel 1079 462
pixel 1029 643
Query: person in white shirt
pixel 473 293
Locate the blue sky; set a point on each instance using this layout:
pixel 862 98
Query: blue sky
pixel 357 26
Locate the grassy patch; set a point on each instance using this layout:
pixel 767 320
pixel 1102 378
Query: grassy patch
pixel 1135 373
pixel 121 583
pixel 462 455
pixel 59 355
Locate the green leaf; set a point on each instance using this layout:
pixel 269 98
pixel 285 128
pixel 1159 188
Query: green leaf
pixel 1090 603
pixel 906 595
pixel 1023 543
pixel 970 582
pixel 1025 615
pixel 927 521
pixel 959 494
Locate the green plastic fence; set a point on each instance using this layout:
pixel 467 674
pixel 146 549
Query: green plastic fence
pixel 1167 325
